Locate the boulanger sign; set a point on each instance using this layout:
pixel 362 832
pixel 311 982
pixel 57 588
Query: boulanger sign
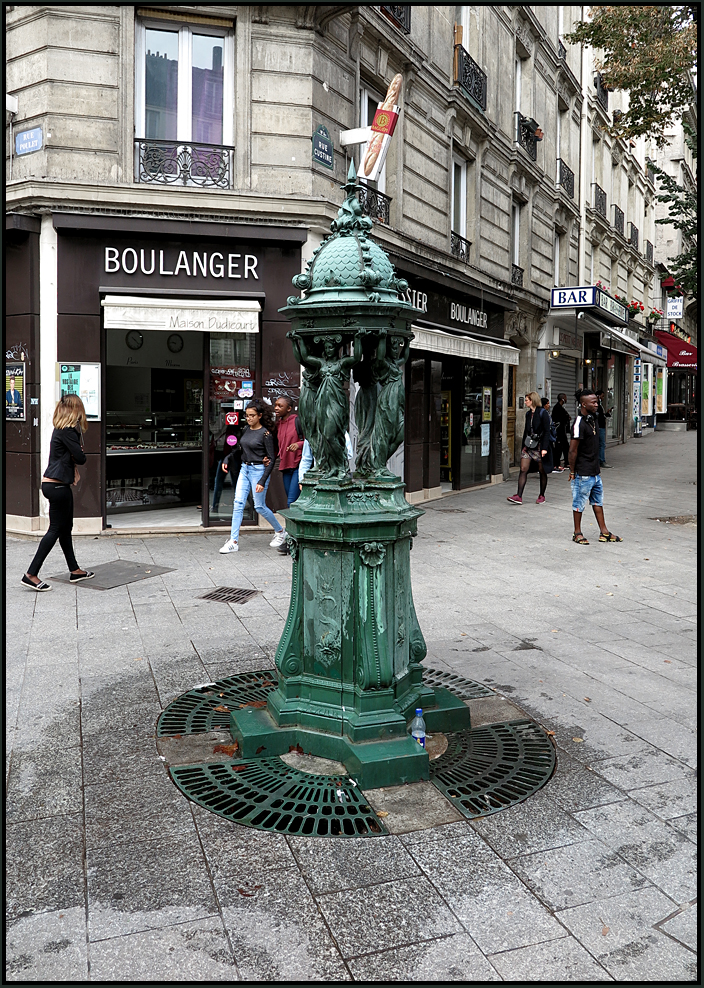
pixel 170 262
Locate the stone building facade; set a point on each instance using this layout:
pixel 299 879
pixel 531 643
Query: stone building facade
pixel 173 131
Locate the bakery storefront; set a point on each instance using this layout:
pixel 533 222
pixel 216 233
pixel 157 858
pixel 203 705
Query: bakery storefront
pixel 459 376
pixel 166 330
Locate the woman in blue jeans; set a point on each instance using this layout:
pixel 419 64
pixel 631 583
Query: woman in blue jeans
pixel 256 445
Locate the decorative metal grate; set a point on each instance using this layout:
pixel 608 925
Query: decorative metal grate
pixel 374 203
pixel 207 708
pixel 489 768
pixel 465 689
pixel 459 246
pixel 125 495
pixel 633 235
pixel 173 162
pixel 516 275
pixel 525 135
pixel 230 595
pixel 599 200
pixel 649 252
pixel 470 78
pixel 398 14
pixel 602 95
pixel 267 794
pixel 565 177
pixel 618 219
pixel 561 50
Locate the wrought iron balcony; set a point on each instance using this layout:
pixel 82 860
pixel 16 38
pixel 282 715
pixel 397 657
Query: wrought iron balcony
pixel 561 50
pixel 618 219
pixel 525 135
pixel 516 275
pixel 633 235
pixel 648 252
pixel 374 203
pixel 177 163
pixel 470 78
pixel 459 246
pixel 599 200
pixel 398 14
pixel 565 177
pixel 602 95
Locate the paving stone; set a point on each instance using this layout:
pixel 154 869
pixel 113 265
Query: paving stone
pixel 243 852
pixel 412 807
pixel 47 947
pixel 145 885
pixel 386 915
pixel 329 866
pixel 47 725
pixel 576 787
pixel 451 958
pixel 556 960
pixel 583 872
pixel 669 799
pixel 536 824
pixel 645 767
pixel 631 949
pixel 141 809
pixel 117 756
pixel 686 825
pixel 43 783
pixel 682 926
pixel 197 950
pixel 44 865
pixel 276 930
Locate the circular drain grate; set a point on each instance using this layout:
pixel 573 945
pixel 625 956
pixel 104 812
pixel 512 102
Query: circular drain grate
pixel 465 689
pixel 492 767
pixel 269 795
pixel 208 707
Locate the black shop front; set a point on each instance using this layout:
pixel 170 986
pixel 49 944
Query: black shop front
pixel 182 321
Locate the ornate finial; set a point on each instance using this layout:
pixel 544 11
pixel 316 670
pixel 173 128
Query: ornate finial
pixel 350 218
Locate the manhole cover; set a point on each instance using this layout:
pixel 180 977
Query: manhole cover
pixel 117 573
pixel 269 795
pixel 207 708
pixel 230 595
pixel 489 768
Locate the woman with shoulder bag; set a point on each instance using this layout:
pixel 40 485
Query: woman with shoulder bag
pixel 61 474
pixel 536 451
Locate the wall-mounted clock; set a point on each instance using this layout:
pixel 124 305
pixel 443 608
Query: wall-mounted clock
pixel 175 343
pixel 134 339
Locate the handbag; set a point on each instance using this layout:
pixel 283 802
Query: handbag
pixel 532 441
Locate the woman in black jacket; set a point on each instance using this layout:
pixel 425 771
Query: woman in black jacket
pixel 536 448
pixel 65 453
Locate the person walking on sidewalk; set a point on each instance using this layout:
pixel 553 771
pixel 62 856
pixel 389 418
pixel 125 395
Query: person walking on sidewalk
pixel 257 444
pixel 561 418
pixel 602 416
pixel 290 441
pixel 536 451
pixel 61 474
pixel 585 479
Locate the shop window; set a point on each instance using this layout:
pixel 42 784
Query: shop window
pixel 184 103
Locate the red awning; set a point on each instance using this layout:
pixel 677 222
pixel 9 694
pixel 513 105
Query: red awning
pixel 679 353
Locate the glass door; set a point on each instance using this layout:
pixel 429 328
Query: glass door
pixel 232 369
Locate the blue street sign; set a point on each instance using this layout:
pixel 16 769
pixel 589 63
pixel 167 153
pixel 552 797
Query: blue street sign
pixel 28 140
pixel 322 147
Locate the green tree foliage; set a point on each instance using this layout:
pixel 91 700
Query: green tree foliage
pixel 650 51
pixel 682 202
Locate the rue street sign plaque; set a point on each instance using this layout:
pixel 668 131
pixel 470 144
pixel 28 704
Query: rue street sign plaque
pixel 322 147
pixel 28 140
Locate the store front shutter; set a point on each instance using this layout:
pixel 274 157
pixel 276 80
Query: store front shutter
pixel 563 375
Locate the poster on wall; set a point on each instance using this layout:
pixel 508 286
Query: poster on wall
pixel 660 392
pixel 486 404
pixel 646 401
pixel 486 432
pixel 82 380
pixel 14 391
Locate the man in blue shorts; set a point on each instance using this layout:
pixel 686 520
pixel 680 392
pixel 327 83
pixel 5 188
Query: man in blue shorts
pixel 585 478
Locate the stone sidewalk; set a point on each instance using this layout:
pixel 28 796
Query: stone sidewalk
pixel 112 875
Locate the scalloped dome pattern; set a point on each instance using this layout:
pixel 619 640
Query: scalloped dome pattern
pixel 341 262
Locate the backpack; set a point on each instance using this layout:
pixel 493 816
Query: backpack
pixel 553 429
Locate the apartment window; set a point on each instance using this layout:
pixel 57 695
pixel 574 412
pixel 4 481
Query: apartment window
pixel 368 104
pixel 556 258
pixel 515 233
pixel 184 83
pixel 517 94
pixel 459 197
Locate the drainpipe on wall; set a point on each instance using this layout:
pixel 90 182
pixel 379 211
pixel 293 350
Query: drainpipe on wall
pixel 583 145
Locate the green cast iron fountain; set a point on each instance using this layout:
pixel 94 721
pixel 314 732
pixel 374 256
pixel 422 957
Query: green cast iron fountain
pixel 349 661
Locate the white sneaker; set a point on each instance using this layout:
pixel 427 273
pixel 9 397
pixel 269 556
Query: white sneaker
pixel 278 539
pixel 230 546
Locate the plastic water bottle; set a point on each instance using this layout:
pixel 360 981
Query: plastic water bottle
pixel 418 727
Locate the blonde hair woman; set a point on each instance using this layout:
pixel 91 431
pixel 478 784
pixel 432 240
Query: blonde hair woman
pixel 536 448
pixel 65 454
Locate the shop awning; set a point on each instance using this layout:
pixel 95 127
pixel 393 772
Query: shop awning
pixel 679 354
pixel 437 341
pixel 182 315
pixel 637 349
